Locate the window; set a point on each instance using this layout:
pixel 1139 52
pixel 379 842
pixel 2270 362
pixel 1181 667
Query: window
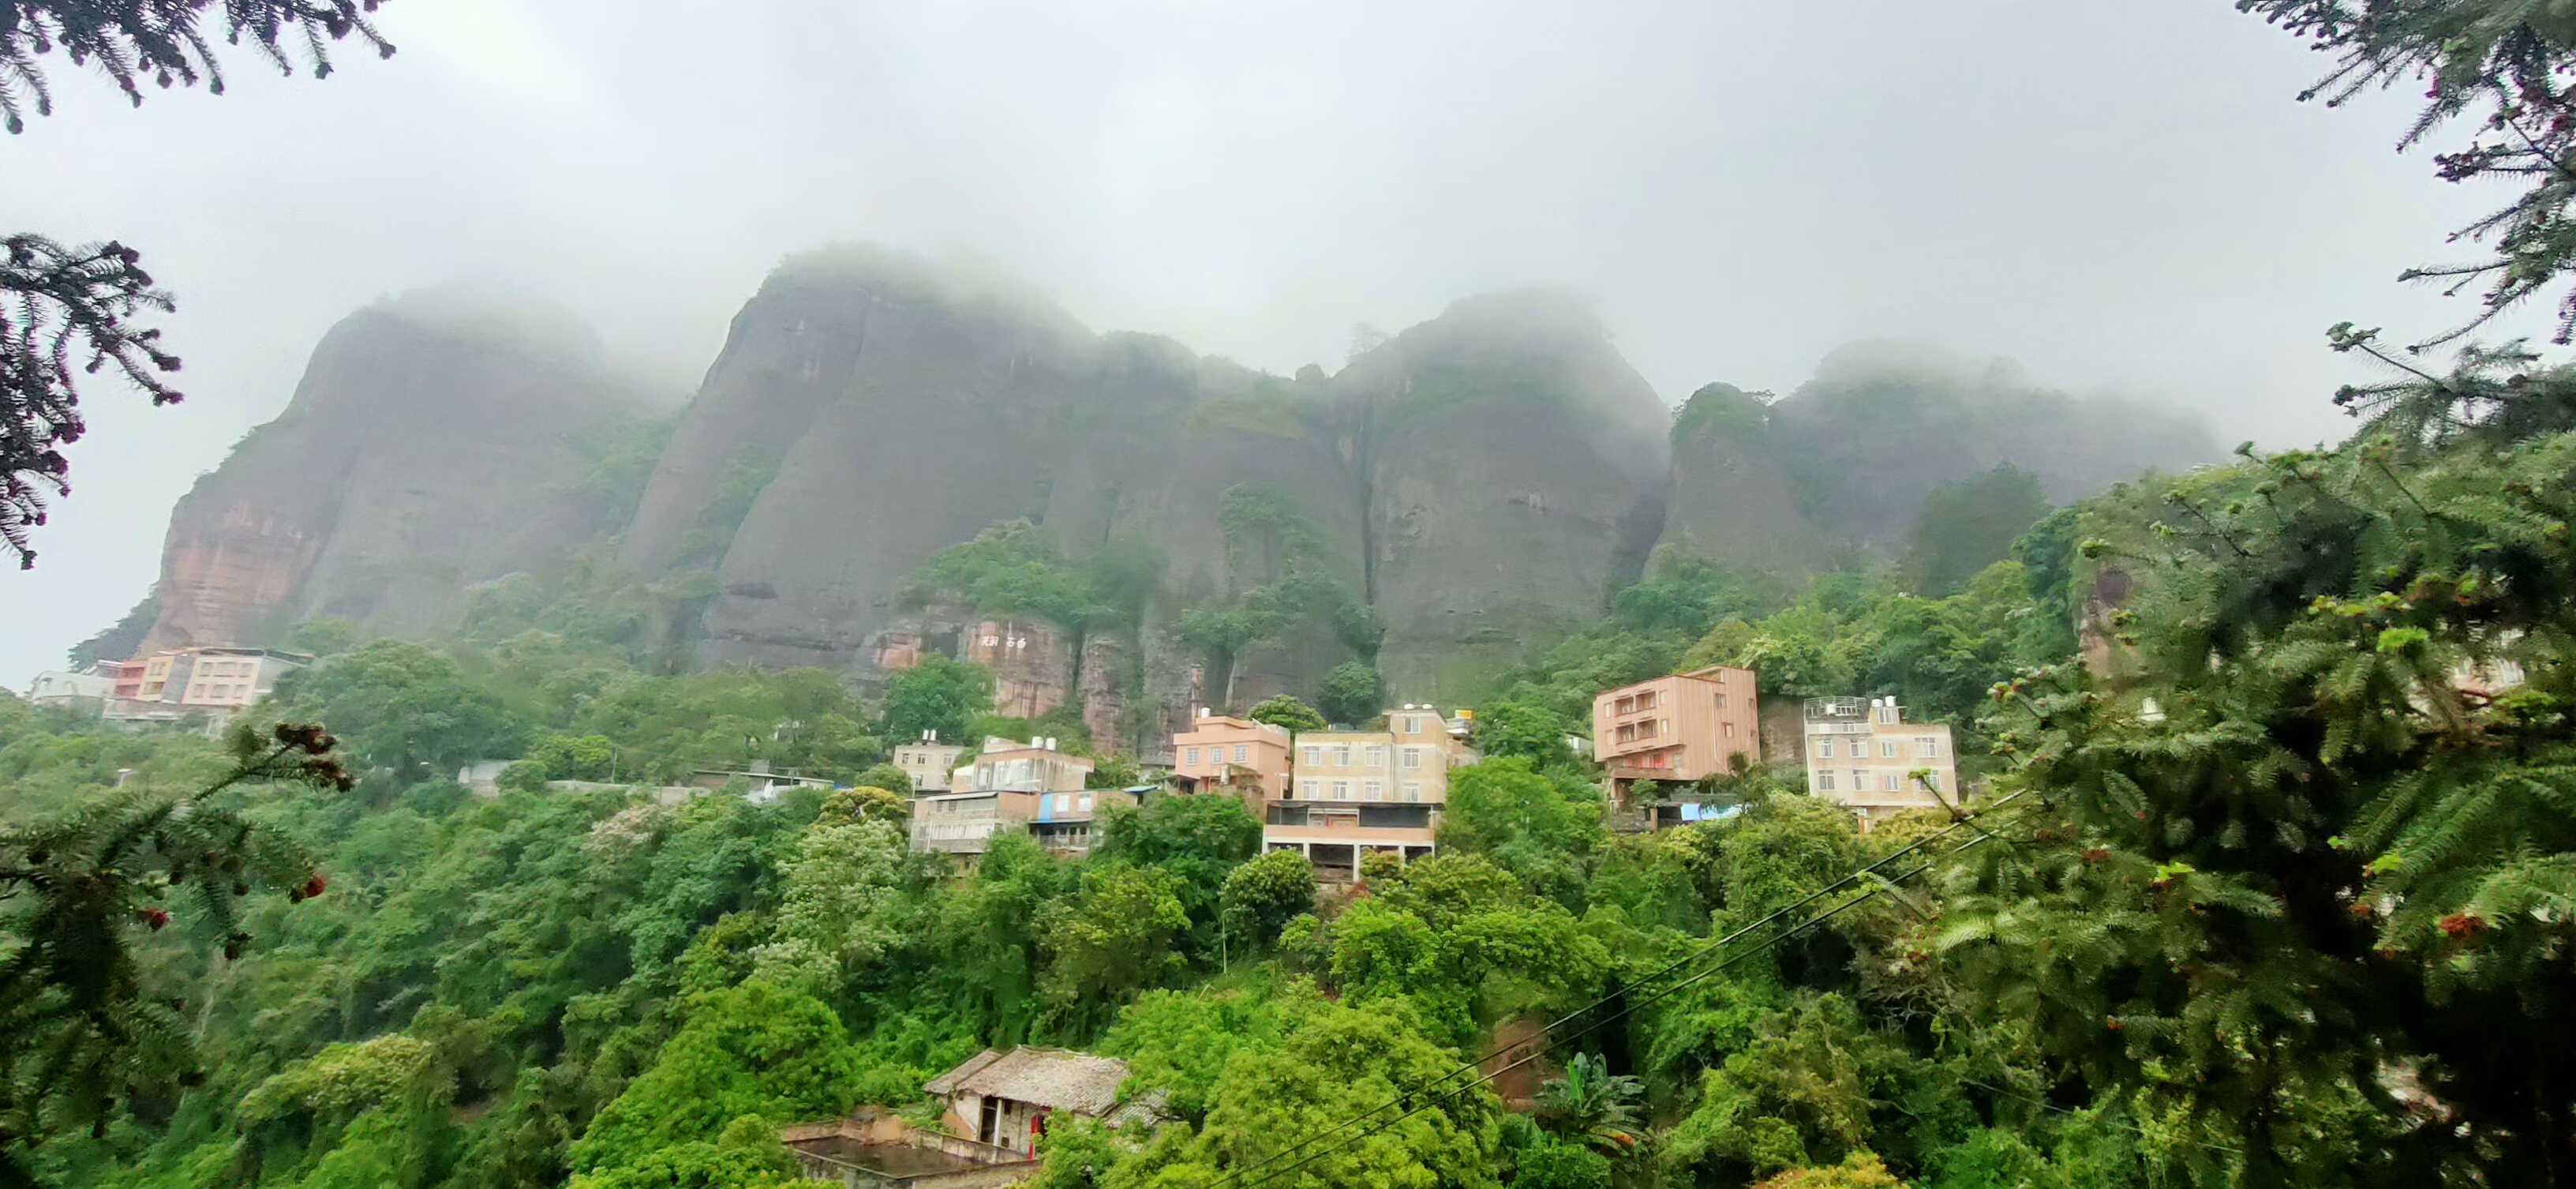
pixel 1887 712
pixel 1627 733
pixel 1413 724
pixel 1824 782
pixel 1310 789
pixel 1341 790
pixel 1927 746
pixel 1730 729
pixel 1413 757
pixel 1887 749
pixel 1626 705
pixel 1342 756
pixel 1412 790
pixel 1190 756
pixel 1240 751
pixel 1860 780
pixel 1894 782
pixel 1086 803
pixel 1373 791
pixel 1374 755
pixel 1646 699
pixel 1314 755
pixel 1721 701
pixel 1824 747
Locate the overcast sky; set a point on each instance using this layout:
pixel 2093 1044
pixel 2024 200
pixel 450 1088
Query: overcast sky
pixel 2121 197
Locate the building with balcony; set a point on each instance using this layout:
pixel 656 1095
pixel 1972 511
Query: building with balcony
pixel 1224 754
pixel 1015 787
pixel 928 762
pixel 217 681
pixel 1354 792
pixel 1864 756
pixel 1031 767
pixel 1677 729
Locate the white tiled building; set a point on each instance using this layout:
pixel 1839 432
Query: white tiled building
pixel 1864 756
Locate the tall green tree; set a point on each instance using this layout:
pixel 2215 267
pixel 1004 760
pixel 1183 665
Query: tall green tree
pixel 81 1029
pixel 2331 861
pixel 1352 692
pixel 1969 524
pixel 755 1049
pixel 939 695
pixel 2499 68
pixel 403 708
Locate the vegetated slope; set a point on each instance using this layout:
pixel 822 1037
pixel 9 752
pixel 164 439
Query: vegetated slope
pixel 435 441
pixel 1879 426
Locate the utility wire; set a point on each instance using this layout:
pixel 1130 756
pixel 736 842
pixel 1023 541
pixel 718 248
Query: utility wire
pixel 1703 952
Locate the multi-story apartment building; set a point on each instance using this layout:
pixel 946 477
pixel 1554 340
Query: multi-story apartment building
pixel 1677 729
pixel 928 762
pixel 1031 767
pixel 84 692
pixel 1221 753
pixel 1353 792
pixel 1013 786
pixel 215 680
pixel 1864 756
pixel 965 823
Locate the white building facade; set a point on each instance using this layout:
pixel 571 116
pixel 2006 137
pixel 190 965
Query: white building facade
pixel 1864 756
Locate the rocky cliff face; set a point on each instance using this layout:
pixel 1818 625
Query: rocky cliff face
pixel 1454 497
pixel 1728 497
pixel 1503 432
pixel 432 444
pixel 1878 427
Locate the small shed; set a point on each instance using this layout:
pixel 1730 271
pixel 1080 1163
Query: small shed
pixel 1003 1099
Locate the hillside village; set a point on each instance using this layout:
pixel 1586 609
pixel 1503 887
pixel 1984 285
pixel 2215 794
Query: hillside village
pixel 1665 750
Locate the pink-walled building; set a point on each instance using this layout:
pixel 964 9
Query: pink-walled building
pixel 1677 729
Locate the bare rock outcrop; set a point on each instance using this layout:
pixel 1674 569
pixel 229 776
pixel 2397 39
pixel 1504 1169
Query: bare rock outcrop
pixel 1515 464
pixel 434 442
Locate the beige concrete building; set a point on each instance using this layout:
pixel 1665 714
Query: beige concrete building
pixel 1677 729
pixel 1864 756
pixel 217 681
pixel 1221 753
pixel 928 762
pixel 1031 767
pixel 1014 787
pixel 1353 792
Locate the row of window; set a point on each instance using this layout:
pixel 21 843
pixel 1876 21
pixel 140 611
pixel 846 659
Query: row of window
pixel 1631 732
pixel 1657 728
pixel 953 830
pixel 1064 802
pixel 1648 699
pixel 219 691
pixel 1216 755
pixel 1369 790
pixel 1889 782
pixel 1370 755
pixel 1925 747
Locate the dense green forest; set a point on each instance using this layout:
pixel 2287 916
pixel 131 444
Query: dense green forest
pixel 2274 892
pixel 2267 874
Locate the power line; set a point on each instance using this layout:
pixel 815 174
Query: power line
pixel 1677 964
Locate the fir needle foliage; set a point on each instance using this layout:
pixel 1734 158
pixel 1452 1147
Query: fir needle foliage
pixel 69 311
